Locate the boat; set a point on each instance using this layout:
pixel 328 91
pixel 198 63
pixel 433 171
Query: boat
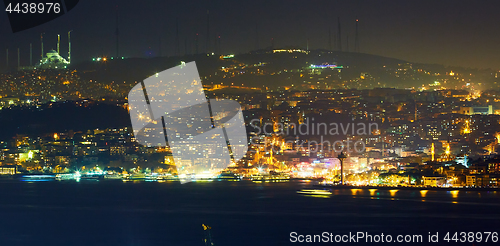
pixel 89 176
pixel 152 177
pixel 315 191
pixel 228 176
pixel 38 177
pixel 168 177
pixel 271 177
pixel 137 176
pixel 67 176
pixel 114 176
pixel 205 176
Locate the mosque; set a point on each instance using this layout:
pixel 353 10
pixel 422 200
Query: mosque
pixel 53 60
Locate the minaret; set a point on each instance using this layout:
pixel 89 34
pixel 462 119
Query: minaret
pixel 339 36
pixel 58 43
pixel 41 41
pixel 69 46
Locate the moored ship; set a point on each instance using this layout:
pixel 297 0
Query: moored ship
pixel 228 176
pixel 271 177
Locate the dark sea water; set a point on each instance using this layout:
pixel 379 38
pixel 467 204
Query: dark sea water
pixel 106 213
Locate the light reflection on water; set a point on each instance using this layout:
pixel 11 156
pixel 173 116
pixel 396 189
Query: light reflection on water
pixel 372 192
pixel 393 192
pixel 450 196
pixel 454 193
pixel 423 193
pixel 354 191
pixel 432 196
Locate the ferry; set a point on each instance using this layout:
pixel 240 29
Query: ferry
pixel 228 176
pixel 168 177
pixel 314 192
pixel 113 177
pixel 89 176
pixel 152 177
pixel 271 177
pixel 67 176
pixel 137 176
pixel 38 177
pixel 205 176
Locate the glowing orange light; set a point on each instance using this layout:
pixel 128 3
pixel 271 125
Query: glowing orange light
pixel 423 193
pixel 393 192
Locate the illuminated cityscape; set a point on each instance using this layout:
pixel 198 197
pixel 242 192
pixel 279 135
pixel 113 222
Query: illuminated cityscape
pixel 431 135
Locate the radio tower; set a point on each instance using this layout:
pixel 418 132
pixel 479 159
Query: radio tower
pixel 347 44
pixel 196 44
pixel 117 33
pixel 159 46
pixel 208 32
pixel 31 55
pixel 216 47
pixel 177 44
pixel 339 36
pixel 329 39
pixel 334 41
pixel 356 38
pixel 256 36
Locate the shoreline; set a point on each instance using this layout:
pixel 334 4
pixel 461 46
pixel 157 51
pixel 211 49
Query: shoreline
pixel 406 188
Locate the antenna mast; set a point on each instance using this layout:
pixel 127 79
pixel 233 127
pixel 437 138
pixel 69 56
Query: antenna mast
pixel 356 38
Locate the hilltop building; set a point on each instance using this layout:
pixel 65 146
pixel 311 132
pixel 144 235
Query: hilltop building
pixel 53 60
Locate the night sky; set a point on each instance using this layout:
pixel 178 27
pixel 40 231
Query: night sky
pixel 461 33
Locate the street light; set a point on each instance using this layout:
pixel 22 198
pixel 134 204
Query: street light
pixel 341 157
